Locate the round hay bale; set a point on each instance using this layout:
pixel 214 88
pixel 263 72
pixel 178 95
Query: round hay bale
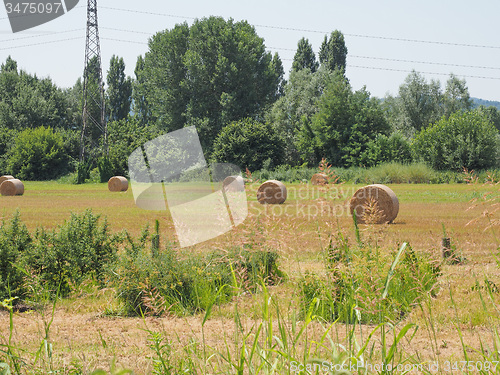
pixel 6 177
pixel 319 179
pixel 271 192
pixel 118 183
pixel 233 184
pixel 374 204
pixel 12 187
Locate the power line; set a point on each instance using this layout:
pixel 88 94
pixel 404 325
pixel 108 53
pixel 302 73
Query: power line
pixel 424 62
pixel 149 13
pixel 404 61
pixel 124 41
pixel 321 32
pixel 353 66
pixel 41 43
pixel 43 35
pixel 126 31
pixel 409 71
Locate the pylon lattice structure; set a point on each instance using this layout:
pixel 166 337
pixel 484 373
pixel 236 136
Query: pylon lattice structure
pixel 94 128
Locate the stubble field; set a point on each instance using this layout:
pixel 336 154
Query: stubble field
pixel 459 323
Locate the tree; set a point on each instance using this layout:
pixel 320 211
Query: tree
pixel 492 114
pixel 38 154
pixel 292 113
pixel 119 92
pixel 421 103
pixel 345 122
pixel 456 96
pixel 304 57
pixel 209 74
pixel 333 52
pixel 28 101
pixel 124 136
pixel 464 140
pixel 248 144
pixel 140 107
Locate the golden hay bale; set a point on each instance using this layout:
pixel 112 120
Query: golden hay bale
pixel 12 187
pixel 118 183
pixel 6 177
pixel 319 179
pixel 271 192
pixel 375 204
pixel 233 184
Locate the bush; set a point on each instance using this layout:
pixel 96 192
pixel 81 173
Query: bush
pixel 156 282
pixel 38 154
pixel 353 290
pixel 78 249
pixel 464 140
pixel 383 149
pixel 14 242
pixel 6 137
pixel 248 144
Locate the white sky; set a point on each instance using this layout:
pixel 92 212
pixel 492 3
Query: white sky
pixel 365 24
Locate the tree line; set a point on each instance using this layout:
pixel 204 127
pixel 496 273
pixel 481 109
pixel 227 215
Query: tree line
pixel 216 74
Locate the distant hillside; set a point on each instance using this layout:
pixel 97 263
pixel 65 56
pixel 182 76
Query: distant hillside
pixel 477 102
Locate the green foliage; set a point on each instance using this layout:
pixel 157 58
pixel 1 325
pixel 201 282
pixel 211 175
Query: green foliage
pixel 248 144
pixel 213 70
pixel 421 103
pixel 333 52
pixel 456 96
pixel 383 149
pixel 140 106
pixel 292 113
pixel 464 140
pixel 119 91
pixel 105 168
pixel 397 173
pixel 125 136
pixel 360 286
pixel 27 101
pixel 156 282
pixel 83 169
pixel 6 137
pixel 492 114
pixel 78 249
pixel 14 242
pixel 345 122
pixel 38 154
pixel 304 57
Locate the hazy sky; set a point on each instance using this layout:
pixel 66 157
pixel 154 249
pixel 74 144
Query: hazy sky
pixel 433 37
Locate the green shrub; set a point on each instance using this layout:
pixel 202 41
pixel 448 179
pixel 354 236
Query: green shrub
pixel 152 282
pixel 80 248
pixel 105 169
pixel 38 154
pixel 356 278
pixel 6 137
pixel 15 240
pixel 248 144
pixel 464 140
pixel 285 173
pixel 383 149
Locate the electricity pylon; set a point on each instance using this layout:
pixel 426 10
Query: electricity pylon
pixel 94 128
